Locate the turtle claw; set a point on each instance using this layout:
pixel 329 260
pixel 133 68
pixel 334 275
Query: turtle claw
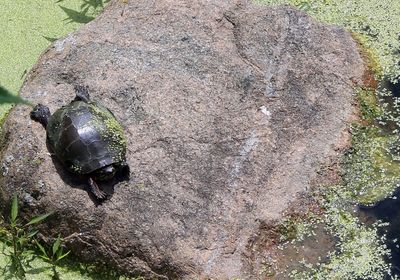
pixel 95 190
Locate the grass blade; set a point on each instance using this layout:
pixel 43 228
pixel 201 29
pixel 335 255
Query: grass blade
pixel 38 219
pixel 56 245
pixel 32 234
pixel 63 256
pixel 41 248
pixel 14 209
pixel 7 97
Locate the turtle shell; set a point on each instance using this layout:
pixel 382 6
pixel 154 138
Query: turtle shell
pixel 85 136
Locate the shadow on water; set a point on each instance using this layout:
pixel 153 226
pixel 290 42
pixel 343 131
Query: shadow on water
pixel 87 12
pixel 387 211
pixel 76 16
pixel 393 88
pixel 50 39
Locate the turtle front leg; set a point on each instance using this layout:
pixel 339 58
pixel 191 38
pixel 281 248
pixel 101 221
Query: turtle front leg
pixel 95 190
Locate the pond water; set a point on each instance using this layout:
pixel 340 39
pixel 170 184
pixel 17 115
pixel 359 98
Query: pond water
pixel 312 250
pixel 387 211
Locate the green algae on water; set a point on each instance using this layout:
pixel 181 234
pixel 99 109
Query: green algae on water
pixel 28 28
pixel 376 20
pixel 369 171
pixel 359 253
pixel 370 168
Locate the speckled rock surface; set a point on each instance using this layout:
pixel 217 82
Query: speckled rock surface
pixel 229 110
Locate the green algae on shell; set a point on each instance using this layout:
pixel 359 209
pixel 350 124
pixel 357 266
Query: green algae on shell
pixel 86 136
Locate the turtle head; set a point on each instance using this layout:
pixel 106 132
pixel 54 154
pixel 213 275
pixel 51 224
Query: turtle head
pixel 41 113
pixel 105 173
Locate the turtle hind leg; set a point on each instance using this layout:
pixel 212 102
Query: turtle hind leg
pixel 82 93
pixel 41 114
pixel 95 190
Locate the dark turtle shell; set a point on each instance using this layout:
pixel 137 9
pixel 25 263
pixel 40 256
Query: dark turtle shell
pixel 85 136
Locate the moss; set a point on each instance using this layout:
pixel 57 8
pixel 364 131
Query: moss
pixel 370 57
pixel 267 270
pixel 33 162
pixel 37 162
pixel 368 105
pixel 288 230
pixel 368 168
pixel 369 172
pixel 111 130
pixel 296 228
pixel 141 186
pixel 75 168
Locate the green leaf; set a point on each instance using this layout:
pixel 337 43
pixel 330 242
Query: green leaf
pixel 8 242
pixel 63 256
pixel 32 234
pixel 45 258
pixel 14 209
pixel 56 245
pixel 41 248
pixel 22 240
pixel 27 252
pixel 59 253
pixel 38 219
pixel 7 97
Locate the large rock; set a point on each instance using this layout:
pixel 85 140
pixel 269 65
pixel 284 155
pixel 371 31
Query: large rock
pixel 229 109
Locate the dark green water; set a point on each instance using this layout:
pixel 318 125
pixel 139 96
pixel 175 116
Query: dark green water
pixel 388 211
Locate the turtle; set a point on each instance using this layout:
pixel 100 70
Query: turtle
pixel 86 138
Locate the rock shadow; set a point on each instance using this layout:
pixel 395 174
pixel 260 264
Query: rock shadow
pixel 81 181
